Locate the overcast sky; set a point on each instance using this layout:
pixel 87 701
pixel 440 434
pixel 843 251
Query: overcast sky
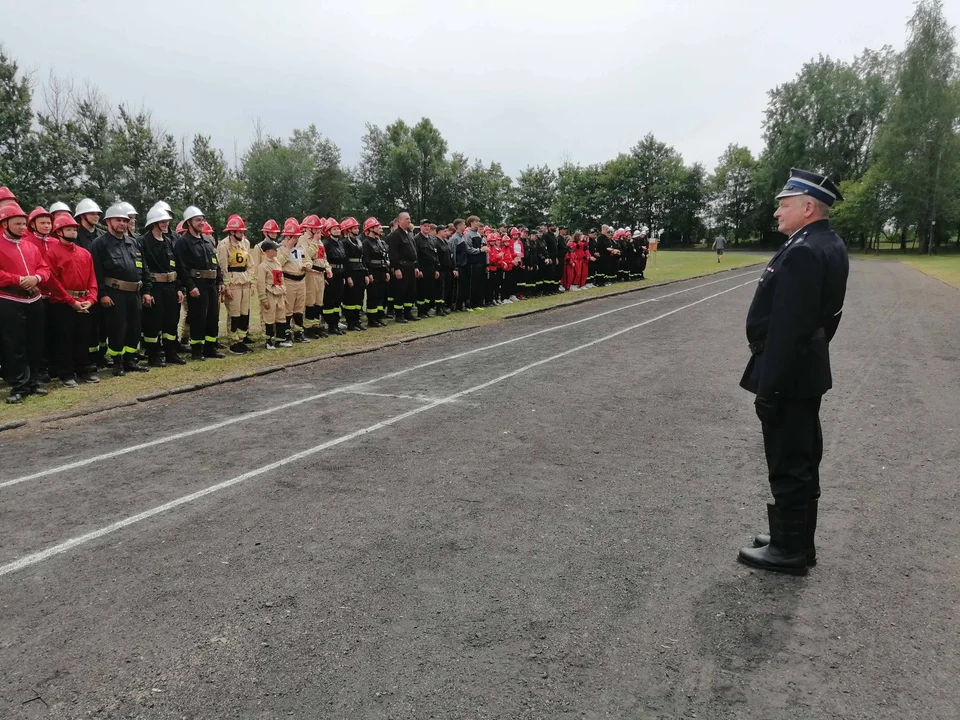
pixel 524 82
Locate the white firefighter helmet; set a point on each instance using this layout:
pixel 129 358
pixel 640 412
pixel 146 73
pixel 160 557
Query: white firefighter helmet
pixel 191 212
pixel 86 206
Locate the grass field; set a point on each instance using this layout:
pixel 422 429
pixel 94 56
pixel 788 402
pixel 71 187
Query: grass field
pixel 663 267
pixel 942 267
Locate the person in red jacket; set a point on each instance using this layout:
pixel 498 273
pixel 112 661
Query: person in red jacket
pixel 505 266
pixel 68 313
pixel 571 264
pixel 23 273
pixel 39 224
pixel 494 273
pixel 583 248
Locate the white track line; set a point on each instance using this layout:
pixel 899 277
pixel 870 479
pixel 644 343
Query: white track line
pixel 417 398
pixel 63 547
pixel 326 393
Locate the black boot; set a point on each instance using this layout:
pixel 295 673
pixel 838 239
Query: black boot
pixel 399 317
pixel 322 332
pixel 810 547
pixel 785 553
pixel 173 359
pixel 410 317
pixel 118 367
pixel 131 365
pixel 196 352
pixel 155 359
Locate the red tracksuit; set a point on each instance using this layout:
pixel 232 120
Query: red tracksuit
pixel 73 273
pixel 571 265
pixel 21 312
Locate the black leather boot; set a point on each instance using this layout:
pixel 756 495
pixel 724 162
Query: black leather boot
pixel 811 549
pixel 785 553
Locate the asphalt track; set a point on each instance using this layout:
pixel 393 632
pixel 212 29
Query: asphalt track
pixel 534 519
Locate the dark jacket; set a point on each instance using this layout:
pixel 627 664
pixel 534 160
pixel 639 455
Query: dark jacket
pixel 426 251
pixel 336 254
pixel 402 249
pixel 794 315
pixel 549 241
pixel 119 259
pixel 473 241
pixel 353 247
pixel 375 255
pixel 195 254
pixel 86 237
pixel 158 256
pixel 444 254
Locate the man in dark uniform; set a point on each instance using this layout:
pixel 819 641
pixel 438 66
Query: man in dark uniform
pixel 200 273
pixel 549 282
pixel 160 320
pixel 403 264
pixel 428 262
pixel 793 317
pixel 124 285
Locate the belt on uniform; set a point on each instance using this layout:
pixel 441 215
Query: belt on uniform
pixel 379 264
pixel 78 293
pixel 758 347
pixel 336 266
pixel 204 274
pixel 291 276
pixel 165 277
pixel 122 285
pixel 237 268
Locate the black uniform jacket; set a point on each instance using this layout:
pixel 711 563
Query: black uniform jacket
pixel 336 254
pixel 375 255
pixel 794 316
pixel 158 256
pixel 426 252
pixel 402 249
pixel 195 253
pixel 120 259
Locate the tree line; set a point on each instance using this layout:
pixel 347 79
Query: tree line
pixel 884 125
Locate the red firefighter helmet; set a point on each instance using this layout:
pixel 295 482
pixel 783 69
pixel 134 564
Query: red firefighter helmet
pixel 311 222
pixel 349 224
pixel 11 211
pixel 5 194
pixel 235 224
pixel 331 222
pixel 370 223
pixel 514 232
pixel 291 227
pixel 270 226
pixel 37 212
pixel 179 228
pixel 62 221
pixel 207 229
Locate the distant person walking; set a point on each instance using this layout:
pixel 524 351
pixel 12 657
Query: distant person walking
pixel 719 244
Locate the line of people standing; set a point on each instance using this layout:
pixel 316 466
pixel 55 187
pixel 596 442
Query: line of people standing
pixel 77 297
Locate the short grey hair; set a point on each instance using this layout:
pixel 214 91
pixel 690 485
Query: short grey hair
pixel 822 207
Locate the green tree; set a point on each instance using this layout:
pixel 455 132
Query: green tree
pixel 209 177
pixel 532 196
pixel 580 197
pixel 16 122
pixel 918 152
pixel 733 197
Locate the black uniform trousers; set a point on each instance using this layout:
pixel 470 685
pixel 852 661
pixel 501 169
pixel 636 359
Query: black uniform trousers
pixel 377 294
pixel 96 339
pixel 71 331
pixel 333 298
pixel 22 335
pixel 494 285
pixel 404 290
pixel 427 289
pixel 450 287
pixel 794 449
pixel 203 316
pixel 353 296
pixel 160 321
pixel 463 287
pixel 478 284
pixel 121 323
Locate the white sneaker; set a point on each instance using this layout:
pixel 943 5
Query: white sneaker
pixel 514 298
pixel 562 288
pixel 284 343
pixel 506 302
pixel 589 286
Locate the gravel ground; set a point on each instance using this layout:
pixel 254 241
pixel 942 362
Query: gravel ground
pixel 543 529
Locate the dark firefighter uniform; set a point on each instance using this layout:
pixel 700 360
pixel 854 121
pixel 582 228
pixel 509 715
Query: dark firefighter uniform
pixel 794 315
pixel 123 277
pixel 377 260
pixel 428 262
pixel 198 269
pixel 403 258
pixel 445 284
pixel 333 295
pixel 353 291
pixel 85 240
pixel 549 281
pixel 161 319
